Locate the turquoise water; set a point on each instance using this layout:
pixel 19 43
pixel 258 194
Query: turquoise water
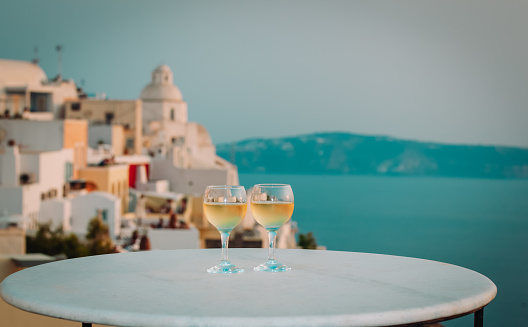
pixel 475 223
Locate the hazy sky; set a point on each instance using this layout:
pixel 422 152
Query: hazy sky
pixel 448 71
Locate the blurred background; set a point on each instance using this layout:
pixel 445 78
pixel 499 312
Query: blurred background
pixel 400 125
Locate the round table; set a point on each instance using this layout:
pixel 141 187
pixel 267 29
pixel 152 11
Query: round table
pixel 324 288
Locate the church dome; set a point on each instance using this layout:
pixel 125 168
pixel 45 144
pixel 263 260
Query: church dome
pixel 203 135
pixel 20 73
pixel 161 86
pixel 163 69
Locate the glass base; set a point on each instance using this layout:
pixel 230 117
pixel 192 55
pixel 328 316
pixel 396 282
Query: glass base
pixel 225 267
pixel 272 266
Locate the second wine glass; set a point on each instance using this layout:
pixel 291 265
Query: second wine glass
pixel 272 206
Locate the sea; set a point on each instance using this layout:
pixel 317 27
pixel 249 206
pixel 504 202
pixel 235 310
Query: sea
pixel 480 224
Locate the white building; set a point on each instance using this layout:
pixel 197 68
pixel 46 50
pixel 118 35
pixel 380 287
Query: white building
pixel 103 204
pixel 183 151
pixel 47 136
pixel 37 160
pixel 74 214
pixel 111 137
pixel 58 212
pixel 124 117
pixel 28 178
pixel 25 85
pixel 162 100
pixel 39 155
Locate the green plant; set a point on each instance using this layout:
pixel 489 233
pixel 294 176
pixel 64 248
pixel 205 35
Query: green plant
pixel 307 241
pixel 54 241
pixel 98 237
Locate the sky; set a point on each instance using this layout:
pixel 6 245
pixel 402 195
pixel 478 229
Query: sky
pixel 443 71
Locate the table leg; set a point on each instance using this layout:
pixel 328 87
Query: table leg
pixel 479 318
pixel 85 324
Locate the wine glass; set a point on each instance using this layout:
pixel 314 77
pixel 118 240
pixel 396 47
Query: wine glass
pixel 225 206
pixel 272 206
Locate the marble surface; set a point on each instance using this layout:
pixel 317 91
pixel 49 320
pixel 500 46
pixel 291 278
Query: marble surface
pixel 172 288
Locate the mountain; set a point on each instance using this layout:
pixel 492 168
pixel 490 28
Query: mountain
pixel 345 153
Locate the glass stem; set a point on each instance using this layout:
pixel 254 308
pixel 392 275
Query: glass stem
pixel 225 242
pixel 272 235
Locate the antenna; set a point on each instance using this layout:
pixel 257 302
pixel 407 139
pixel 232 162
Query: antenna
pixel 36 59
pixel 58 48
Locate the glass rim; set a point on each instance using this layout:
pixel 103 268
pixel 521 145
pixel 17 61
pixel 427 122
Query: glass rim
pixel 224 186
pixel 272 185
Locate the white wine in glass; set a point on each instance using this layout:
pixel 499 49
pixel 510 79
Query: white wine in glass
pixel 225 206
pixel 272 206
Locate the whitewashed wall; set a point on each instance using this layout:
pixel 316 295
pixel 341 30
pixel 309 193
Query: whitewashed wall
pixel 21 200
pixel 61 91
pixel 188 181
pixel 180 111
pixel 52 169
pixel 10 167
pixel 29 164
pixel 58 211
pixel 48 169
pixel 152 111
pixel 159 186
pixel 11 200
pixel 85 207
pixel 31 201
pixel 30 134
pixel 173 129
pixel 98 133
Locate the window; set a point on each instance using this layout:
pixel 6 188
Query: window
pixel 68 171
pixel 52 193
pixel 172 114
pixel 26 179
pixel 103 213
pixel 77 185
pixel 76 106
pixel 177 140
pixel 109 117
pixel 41 103
pixel 129 143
